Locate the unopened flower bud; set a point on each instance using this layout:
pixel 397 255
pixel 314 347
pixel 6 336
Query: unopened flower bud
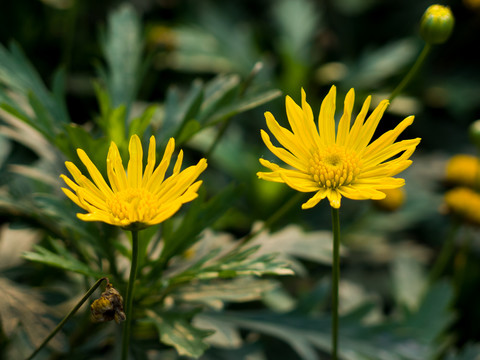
pixel 436 24
pixel 474 132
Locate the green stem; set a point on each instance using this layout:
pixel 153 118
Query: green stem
pixel 129 299
pixel 66 318
pixel 447 251
pixel 335 279
pixel 413 71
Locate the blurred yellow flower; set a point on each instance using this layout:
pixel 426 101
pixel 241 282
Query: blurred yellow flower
pixel 393 200
pixel 465 203
pixel 463 169
pixel 336 165
pixel 135 199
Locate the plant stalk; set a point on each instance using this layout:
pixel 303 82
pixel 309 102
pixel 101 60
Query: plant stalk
pixel 67 317
pixel 411 74
pixel 335 279
pixel 129 300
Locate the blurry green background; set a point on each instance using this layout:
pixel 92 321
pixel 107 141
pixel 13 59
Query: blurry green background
pixel 365 44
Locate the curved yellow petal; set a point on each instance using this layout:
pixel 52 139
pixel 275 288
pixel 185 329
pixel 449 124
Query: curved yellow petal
pixel 326 119
pixel 344 124
pixel 94 173
pixel 345 165
pixel 135 164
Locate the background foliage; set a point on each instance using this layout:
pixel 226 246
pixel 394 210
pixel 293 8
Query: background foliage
pixel 83 73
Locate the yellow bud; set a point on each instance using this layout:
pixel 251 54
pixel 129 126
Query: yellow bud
pixel 393 200
pixel 436 24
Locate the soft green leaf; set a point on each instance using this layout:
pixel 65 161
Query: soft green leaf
pixel 243 104
pixel 239 262
pixel 180 109
pixel 64 260
pixel 140 124
pixel 175 329
pixel 216 293
pixel 200 215
pixel 190 129
pixel 408 280
pixel 432 317
pixel 19 76
pixel 122 46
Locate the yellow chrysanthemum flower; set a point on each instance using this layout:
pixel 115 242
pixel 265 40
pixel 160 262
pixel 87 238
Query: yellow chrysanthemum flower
pixel 463 169
pixel 135 199
pixel 336 165
pixel 465 203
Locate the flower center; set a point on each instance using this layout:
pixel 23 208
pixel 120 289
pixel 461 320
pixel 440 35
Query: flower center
pixel 334 166
pixel 133 205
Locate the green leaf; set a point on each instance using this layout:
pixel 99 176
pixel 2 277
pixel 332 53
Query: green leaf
pixel 432 317
pixel 216 293
pixel 175 329
pixel 238 262
pixel 190 129
pixel 408 280
pixel 42 117
pixel 200 215
pixel 122 47
pixel 79 138
pixel 219 92
pixel 179 110
pixel 140 124
pixel 20 77
pixel 63 259
pixel 250 101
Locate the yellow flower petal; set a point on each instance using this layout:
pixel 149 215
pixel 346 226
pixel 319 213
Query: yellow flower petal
pixel 342 165
pixel 326 119
pixel 134 199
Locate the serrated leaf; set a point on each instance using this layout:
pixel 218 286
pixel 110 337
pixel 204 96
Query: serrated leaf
pixel 64 261
pixel 238 262
pixel 200 215
pixel 215 294
pixel 175 329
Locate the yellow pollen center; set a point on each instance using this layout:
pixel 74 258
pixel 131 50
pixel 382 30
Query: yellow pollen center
pixel 334 166
pixel 133 205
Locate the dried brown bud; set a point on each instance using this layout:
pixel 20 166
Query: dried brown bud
pixel 108 307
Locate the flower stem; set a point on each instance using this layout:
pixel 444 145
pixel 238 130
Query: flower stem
pixel 129 299
pixel 446 253
pixel 335 279
pixel 413 71
pixel 67 317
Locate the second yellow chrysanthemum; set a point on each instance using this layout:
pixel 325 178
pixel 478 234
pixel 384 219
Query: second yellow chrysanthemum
pixel 135 198
pixel 337 163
